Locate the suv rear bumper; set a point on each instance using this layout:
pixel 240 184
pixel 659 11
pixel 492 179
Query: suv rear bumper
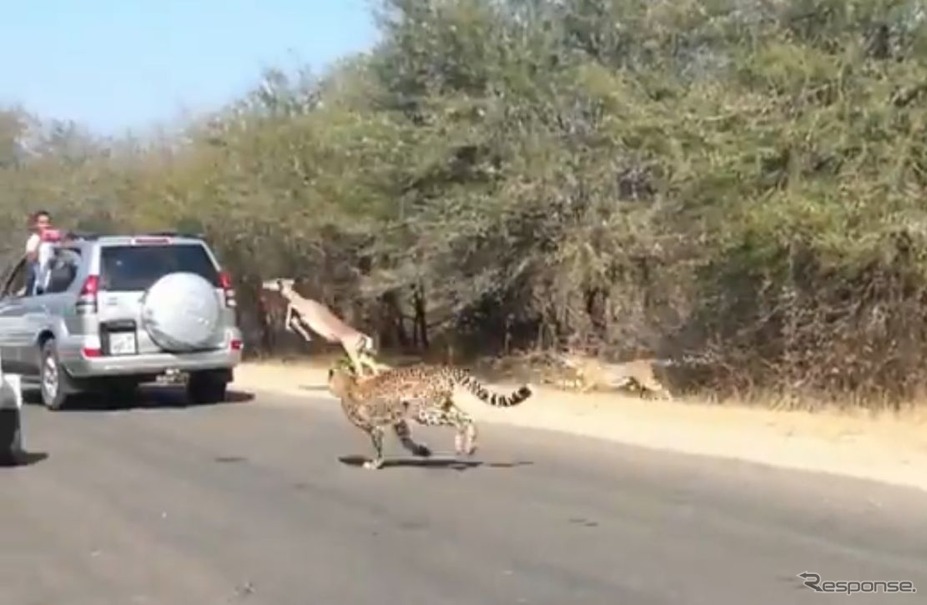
pixel 78 366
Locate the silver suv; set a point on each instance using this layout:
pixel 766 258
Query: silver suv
pixel 118 311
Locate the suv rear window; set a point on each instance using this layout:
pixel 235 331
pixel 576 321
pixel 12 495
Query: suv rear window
pixel 135 268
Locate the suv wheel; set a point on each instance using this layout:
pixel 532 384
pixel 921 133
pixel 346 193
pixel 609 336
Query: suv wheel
pixel 207 387
pixel 56 386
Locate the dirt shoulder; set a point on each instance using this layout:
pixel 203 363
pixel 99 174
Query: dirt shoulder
pixel 885 448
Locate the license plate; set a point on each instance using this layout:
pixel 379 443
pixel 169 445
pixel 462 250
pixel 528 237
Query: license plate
pixel 171 376
pixel 122 343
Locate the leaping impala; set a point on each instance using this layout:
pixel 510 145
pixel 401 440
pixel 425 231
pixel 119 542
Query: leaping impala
pixel 304 312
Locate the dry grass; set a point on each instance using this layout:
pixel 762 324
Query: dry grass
pixel 639 378
pixel 594 385
pixel 888 447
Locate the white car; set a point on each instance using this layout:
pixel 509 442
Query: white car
pixel 11 404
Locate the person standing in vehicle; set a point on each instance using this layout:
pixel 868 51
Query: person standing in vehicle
pixel 40 221
pixel 41 225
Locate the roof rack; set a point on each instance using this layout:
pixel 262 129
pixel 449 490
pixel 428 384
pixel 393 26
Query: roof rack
pixel 84 235
pixel 173 234
pixel 91 236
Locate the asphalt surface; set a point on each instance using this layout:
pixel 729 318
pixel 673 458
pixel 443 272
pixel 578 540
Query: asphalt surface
pixel 248 502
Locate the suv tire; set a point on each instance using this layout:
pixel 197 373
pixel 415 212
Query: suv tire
pixel 55 385
pixel 207 387
pixel 181 313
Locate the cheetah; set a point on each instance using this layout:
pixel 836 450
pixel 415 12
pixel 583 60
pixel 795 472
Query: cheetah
pixel 592 374
pixel 423 393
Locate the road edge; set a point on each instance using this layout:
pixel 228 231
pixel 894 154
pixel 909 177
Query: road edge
pixel 743 434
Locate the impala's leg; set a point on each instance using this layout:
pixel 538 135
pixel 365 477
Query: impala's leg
pixel 288 317
pixel 302 331
pixel 355 361
pixel 294 323
pixel 367 360
pixel 366 353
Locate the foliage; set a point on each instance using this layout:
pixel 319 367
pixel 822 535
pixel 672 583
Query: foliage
pixel 739 177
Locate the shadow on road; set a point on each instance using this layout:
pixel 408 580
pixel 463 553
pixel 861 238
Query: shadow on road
pixel 229 459
pixel 147 397
pixel 23 459
pixel 436 463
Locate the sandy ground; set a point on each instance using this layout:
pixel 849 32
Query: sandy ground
pixel 886 448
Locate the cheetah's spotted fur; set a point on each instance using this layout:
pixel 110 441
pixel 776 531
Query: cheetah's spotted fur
pixel 422 393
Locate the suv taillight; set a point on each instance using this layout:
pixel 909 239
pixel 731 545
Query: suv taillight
pixel 87 299
pixel 228 290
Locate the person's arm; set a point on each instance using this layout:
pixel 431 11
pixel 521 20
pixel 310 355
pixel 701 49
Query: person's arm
pixel 32 247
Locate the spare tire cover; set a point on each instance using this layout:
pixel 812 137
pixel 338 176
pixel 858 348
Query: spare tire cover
pixel 181 312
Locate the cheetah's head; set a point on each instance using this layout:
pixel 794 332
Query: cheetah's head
pixel 340 377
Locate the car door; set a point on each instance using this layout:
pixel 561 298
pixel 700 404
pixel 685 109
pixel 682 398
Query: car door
pixel 46 310
pixel 13 330
pixel 32 317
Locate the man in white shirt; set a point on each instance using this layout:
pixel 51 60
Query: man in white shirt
pixel 41 220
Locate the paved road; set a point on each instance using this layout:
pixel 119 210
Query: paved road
pixel 249 503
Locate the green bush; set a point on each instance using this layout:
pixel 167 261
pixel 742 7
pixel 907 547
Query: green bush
pixel 731 178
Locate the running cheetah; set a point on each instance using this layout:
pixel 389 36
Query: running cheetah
pixel 423 393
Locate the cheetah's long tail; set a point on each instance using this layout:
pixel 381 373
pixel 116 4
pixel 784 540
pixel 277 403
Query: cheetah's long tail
pixel 481 392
